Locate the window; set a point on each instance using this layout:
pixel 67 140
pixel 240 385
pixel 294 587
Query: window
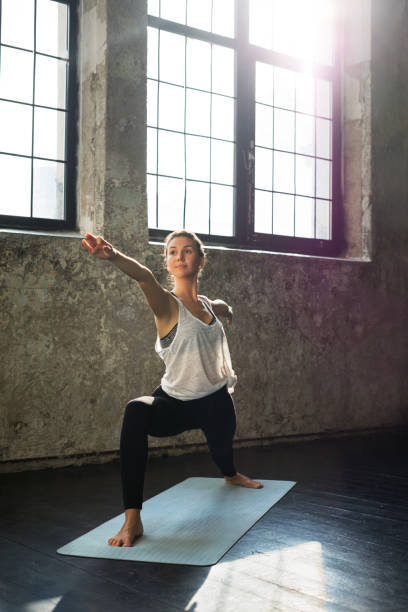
pixel 37 113
pixel 243 139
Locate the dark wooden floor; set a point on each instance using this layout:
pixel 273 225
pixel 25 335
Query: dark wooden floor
pixel 337 541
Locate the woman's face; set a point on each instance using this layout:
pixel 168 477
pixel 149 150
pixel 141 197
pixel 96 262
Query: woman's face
pixel 182 257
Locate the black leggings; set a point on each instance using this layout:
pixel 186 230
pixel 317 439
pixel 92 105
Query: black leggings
pixel 214 414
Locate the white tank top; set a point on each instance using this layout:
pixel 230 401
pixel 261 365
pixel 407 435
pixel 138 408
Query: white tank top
pixel 198 360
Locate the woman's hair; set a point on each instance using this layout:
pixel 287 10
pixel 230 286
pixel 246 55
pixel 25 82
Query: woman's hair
pixel 195 239
pixel 197 242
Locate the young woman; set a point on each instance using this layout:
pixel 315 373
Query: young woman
pixel 195 389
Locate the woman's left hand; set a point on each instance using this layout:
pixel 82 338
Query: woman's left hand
pixel 229 315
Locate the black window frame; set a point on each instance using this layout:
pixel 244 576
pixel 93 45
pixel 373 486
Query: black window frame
pixel 71 140
pixel 246 56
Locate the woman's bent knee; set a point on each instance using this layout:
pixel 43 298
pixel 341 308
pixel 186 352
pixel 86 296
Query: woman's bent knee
pixel 144 400
pixel 138 409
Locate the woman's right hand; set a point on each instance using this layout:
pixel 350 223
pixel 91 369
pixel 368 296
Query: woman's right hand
pixel 99 247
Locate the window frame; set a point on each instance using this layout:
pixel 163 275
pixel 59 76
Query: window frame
pixel 71 141
pixel 246 56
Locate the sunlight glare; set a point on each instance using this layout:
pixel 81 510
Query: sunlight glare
pixel 297 28
pixel 42 605
pixel 284 577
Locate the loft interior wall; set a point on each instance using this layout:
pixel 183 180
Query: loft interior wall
pixel 319 345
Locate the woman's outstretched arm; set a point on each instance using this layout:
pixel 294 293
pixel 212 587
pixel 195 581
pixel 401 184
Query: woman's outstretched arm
pixel 157 297
pixel 102 249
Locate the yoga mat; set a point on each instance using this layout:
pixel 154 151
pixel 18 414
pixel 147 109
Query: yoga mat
pixel 193 523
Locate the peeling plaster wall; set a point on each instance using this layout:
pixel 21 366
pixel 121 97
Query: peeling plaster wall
pixel 319 345
pixel 356 119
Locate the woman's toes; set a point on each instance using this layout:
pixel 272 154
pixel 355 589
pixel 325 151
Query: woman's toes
pixel 244 481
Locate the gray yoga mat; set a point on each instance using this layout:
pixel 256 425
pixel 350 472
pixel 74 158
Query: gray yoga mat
pixel 193 523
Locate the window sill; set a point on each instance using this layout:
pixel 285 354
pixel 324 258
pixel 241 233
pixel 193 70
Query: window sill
pixel 48 233
pixel 212 247
pixel 208 247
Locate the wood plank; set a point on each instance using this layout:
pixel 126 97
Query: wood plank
pixel 337 542
pixel 29 576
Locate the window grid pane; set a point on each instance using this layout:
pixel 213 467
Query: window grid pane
pixel 33 107
pixel 293 152
pixel 215 16
pixel 193 148
pixel 272 26
pixel 286 135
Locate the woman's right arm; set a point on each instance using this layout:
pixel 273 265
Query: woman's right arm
pixel 157 297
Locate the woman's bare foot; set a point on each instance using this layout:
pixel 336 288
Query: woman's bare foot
pixel 131 529
pixel 243 481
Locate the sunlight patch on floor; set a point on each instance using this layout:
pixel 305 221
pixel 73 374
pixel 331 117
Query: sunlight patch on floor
pixel 42 605
pixel 269 580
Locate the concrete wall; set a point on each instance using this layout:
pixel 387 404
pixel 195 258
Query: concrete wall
pixel 319 345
